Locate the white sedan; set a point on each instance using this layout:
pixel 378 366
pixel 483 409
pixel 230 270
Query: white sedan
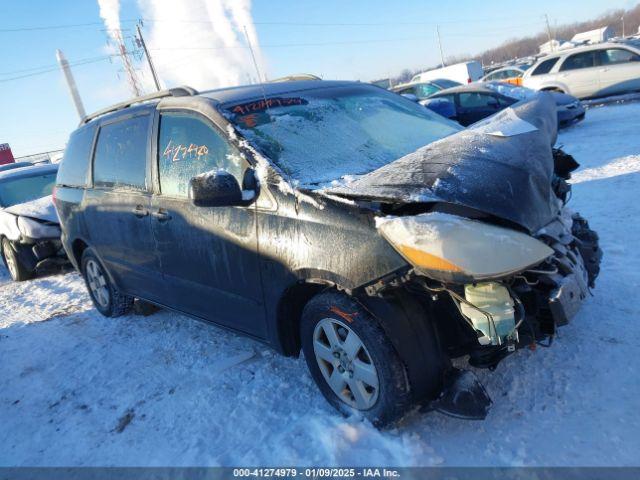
pixel 29 226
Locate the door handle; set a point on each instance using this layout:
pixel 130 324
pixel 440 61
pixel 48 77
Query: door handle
pixel 140 211
pixel 162 215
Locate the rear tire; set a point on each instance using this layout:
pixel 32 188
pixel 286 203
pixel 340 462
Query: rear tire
pixel 107 299
pixel 352 360
pixel 18 271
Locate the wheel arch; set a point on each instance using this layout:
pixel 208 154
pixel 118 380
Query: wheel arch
pixel 406 322
pixel 554 88
pixel 78 246
pixel 289 312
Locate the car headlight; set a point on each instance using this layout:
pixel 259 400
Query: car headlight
pixel 449 248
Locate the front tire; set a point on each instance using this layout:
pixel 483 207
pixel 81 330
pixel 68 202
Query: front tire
pixel 107 299
pixel 18 271
pixel 352 360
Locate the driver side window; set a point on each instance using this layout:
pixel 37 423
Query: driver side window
pixel 189 146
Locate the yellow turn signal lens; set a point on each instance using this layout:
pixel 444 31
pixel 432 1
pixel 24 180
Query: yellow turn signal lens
pixel 426 260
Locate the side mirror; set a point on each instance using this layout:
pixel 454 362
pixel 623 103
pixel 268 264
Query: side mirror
pixel 217 189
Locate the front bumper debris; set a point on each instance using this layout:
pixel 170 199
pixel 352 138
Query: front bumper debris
pixel 463 396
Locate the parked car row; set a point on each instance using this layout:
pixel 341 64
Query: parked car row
pixel 587 71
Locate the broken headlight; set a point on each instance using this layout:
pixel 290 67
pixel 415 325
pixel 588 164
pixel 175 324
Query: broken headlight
pixel 34 229
pixel 454 249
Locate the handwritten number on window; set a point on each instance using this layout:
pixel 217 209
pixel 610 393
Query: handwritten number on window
pixel 179 151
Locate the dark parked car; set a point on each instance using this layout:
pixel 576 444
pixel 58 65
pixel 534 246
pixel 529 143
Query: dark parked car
pixel 29 226
pixel 470 103
pixel 332 217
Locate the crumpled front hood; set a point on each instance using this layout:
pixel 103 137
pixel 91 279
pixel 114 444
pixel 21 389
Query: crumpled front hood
pixel 502 166
pixel 40 209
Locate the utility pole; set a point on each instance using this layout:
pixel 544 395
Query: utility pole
pixel 546 17
pixel 71 83
pixel 622 26
pixel 440 45
pixel 126 62
pixel 146 52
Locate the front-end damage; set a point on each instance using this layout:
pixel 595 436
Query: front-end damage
pixel 495 253
pixel 34 231
pixel 487 317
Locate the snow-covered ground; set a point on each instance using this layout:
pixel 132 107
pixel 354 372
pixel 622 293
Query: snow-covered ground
pixel 79 389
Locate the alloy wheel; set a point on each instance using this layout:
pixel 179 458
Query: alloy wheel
pixel 10 257
pixel 345 363
pixel 97 283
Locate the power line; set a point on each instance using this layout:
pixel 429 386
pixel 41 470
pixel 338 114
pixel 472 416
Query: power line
pixel 56 67
pixel 32 28
pixel 48 66
pixel 287 45
pixel 53 27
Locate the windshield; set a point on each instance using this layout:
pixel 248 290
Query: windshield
pixel 25 189
pixel 316 136
pixel 445 83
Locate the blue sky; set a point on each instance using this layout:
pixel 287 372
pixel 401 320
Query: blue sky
pixel 389 36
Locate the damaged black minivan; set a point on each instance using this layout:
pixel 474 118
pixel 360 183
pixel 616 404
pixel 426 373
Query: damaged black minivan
pixel 338 219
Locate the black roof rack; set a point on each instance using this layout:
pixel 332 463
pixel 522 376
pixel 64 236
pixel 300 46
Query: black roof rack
pixel 183 91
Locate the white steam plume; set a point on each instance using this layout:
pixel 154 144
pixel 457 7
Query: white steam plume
pixel 201 43
pixel 110 13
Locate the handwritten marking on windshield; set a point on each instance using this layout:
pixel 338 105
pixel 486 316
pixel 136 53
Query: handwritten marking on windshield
pixel 262 105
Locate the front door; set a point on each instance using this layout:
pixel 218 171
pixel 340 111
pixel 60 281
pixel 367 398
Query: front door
pixel 580 73
pixel 208 256
pixel 474 106
pixel 619 71
pixel 117 207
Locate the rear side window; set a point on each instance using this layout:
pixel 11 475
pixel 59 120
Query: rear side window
pixel 120 159
pixel 578 61
pixel 612 56
pixel 189 146
pixel 74 168
pixel 545 67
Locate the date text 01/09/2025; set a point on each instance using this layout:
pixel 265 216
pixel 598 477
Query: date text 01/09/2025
pixel 316 472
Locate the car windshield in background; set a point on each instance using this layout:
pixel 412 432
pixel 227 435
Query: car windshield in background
pixel 25 189
pixel 443 83
pixel 317 136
